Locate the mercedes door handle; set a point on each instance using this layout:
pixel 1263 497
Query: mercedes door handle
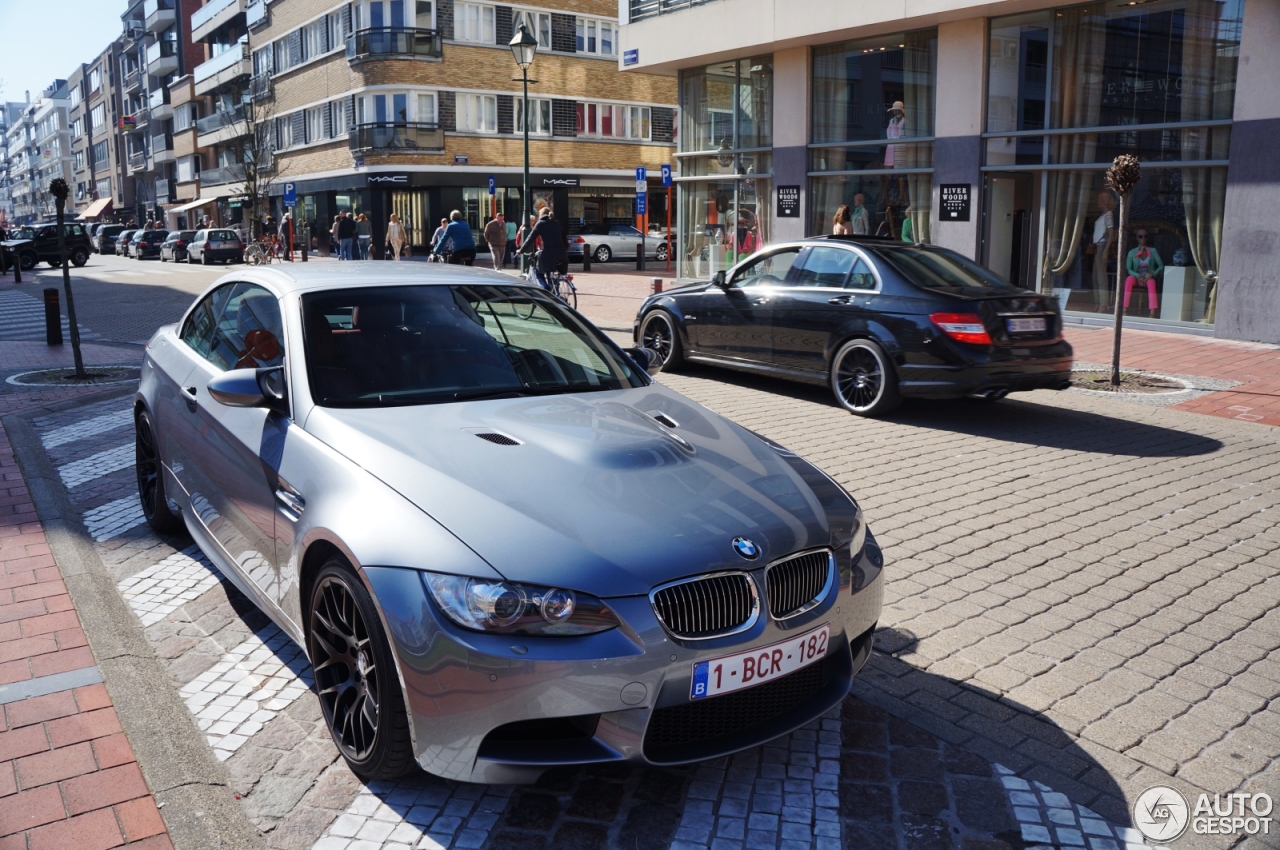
pixel 760 301
pixel 189 396
pixel 841 299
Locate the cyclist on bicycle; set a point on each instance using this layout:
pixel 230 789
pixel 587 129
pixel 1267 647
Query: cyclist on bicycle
pixel 458 235
pixel 547 242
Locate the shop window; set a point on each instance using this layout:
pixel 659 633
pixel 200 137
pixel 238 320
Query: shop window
pixel 728 105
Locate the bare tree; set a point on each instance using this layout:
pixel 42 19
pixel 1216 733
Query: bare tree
pixel 1122 178
pixel 255 151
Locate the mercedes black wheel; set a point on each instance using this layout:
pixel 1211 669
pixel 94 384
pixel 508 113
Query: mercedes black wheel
pixel 155 504
pixel 356 677
pixel 603 254
pixel 863 380
pixel 658 334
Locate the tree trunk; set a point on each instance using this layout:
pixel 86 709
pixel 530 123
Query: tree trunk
pixel 66 285
pixel 1119 305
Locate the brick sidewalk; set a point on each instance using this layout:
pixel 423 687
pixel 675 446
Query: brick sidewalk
pixel 1256 366
pixel 68 776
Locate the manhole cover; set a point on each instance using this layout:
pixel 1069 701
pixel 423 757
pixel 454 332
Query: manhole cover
pixel 1133 383
pixel 66 377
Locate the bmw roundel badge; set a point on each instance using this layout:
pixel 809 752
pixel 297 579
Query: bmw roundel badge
pixel 746 548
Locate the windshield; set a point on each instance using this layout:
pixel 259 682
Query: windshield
pixel 432 344
pixel 22 233
pixel 934 268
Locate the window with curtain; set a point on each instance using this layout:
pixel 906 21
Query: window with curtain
pixel 477 113
pixel 539 116
pixel 473 22
pixel 870 98
pixel 537 23
pixel 1120 70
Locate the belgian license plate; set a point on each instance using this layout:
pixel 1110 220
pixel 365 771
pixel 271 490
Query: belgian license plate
pixel 1025 326
pixel 759 665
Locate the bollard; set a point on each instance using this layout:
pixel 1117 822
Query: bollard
pixel 306 242
pixel 52 317
pixel 4 261
pixel 655 285
pixel 586 257
pixel 17 267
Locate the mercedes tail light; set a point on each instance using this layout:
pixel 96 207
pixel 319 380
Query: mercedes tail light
pixel 962 327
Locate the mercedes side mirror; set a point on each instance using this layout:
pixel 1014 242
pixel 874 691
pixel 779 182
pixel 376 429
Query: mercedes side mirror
pixel 719 279
pixel 646 358
pixel 252 388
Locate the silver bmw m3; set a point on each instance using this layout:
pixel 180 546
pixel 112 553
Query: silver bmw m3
pixel 502 545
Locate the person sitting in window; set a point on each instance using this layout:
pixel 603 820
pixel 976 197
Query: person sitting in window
pixel 1143 264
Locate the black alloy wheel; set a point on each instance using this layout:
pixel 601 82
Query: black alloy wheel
pixel 863 379
pixel 658 334
pixel 603 254
pixel 355 676
pixel 27 261
pixel 79 257
pixel 155 504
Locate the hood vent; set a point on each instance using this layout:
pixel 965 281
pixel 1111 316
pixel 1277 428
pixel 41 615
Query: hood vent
pixel 663 419
pixel 497 439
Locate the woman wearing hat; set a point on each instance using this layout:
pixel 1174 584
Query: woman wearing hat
pixel 896 130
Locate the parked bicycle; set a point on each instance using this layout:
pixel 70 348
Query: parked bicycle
pixel 259 253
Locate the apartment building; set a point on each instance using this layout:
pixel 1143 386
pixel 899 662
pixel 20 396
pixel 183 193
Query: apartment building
pixel 95 133
pixel 987 127
pixel 9 113
pixel 38 147
pixel 383 106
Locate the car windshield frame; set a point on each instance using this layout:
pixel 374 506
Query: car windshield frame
pixel 906 260
pixel 440 343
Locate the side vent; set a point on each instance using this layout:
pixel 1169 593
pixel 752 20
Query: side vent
pixel 498 439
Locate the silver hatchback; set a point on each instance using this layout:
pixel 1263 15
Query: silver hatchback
pixel 502 545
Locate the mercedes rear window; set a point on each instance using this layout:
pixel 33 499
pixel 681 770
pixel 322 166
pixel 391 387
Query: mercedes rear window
pixel 940 269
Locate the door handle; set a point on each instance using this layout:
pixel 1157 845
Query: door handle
pixel 840 299
pixel 189 395
pixel 760 301
pixel 293 503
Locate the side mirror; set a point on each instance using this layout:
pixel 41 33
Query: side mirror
pixel 252 388
pixel 719 279
pixel 647 359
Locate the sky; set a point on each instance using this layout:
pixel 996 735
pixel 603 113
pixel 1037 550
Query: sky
pixel 45 40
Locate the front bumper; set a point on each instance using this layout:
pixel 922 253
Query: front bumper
pixel 503 709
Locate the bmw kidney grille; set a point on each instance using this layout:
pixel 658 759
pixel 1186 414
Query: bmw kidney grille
pixel 708 606
pixel 799 583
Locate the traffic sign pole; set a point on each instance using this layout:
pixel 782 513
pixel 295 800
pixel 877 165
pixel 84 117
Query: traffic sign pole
pixel 642 212
pixel 666 182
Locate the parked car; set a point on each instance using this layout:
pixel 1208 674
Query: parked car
pixel 147 244
pixel 122 242
pixel 104 238
pixel 175 245
pixel 876 320
pixel 221 244
pixel 614 240
pixel 39 243
pixel 695 590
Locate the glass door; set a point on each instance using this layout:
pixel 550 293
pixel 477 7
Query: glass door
pixel 411 207
pixel 1011 213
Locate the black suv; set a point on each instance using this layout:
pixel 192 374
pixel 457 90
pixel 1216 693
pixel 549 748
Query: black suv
pixel 40 243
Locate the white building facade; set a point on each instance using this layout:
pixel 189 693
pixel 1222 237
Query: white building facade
pixel 986 128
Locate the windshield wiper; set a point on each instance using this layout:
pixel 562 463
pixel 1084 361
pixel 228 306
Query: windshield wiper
pixel 527 389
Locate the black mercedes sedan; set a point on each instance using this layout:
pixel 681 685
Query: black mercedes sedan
pixel 875 319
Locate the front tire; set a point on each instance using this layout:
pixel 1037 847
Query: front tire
pixel 603 254
pixel 661 254
pixel 79 257
pixel 658 333
pixel 863 379
pixel 356 677
pixel 150 472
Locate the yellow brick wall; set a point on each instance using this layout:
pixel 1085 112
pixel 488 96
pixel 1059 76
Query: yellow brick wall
pixel 498 152
pixel 326 79
pixel 184 143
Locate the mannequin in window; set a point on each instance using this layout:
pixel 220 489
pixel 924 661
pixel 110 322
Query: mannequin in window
pixel 896 129
pixel 861 220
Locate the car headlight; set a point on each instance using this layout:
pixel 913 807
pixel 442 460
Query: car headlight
pixel 486 605
pixel 859 538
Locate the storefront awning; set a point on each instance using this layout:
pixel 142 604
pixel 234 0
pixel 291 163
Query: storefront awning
pixel 97 208
pixel 199 202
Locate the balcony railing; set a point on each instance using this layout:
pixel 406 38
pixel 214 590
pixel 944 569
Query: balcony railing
pixel 218 120
pixel 131 78
pixel 162 191
pixel 255 13
pixel 641 9
pixel 160 144
pixel 388 136
pixel 260 86
pixel 209 11
pixel 138 160
pixel 226 59
pixel 397 42
pixel 159 13
pixel 161 50
pixel 221 176
pixel 158 99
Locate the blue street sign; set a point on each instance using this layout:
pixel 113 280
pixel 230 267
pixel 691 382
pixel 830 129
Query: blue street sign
pixel 642 207
pixel 641 174
pixel 291 194
pixel 493 185
pixel 666 176
pixel 631 57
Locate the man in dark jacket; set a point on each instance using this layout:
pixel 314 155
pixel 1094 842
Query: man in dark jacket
pixel 346 237
pixel 552 252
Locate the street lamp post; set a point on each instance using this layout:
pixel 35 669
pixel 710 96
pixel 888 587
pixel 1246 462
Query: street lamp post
pixel 523 46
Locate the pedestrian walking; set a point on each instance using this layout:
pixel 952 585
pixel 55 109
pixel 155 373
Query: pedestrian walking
pixel 458 234
pixel 364 233
pixel 333 235
pixel 510 255
pixel 286 235
pixel 347 232
pixel 495 234
pixel 395 235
